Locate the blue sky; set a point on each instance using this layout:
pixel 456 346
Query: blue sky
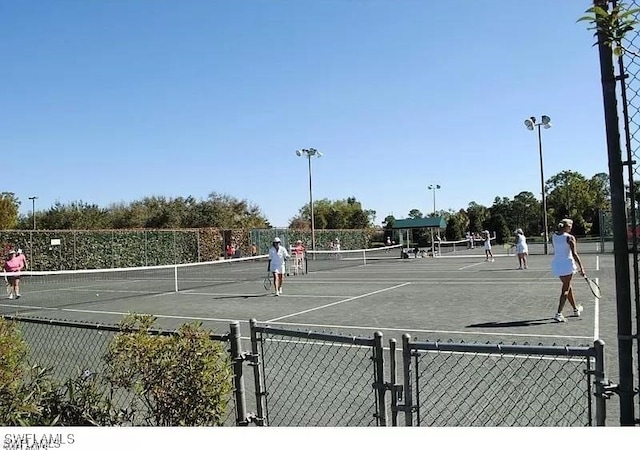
pixel 112 101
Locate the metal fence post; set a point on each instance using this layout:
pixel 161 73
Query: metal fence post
pixel 406 368
pixel 393 370
pixel 260 418
pixel 238 378
pixel 380 387
pixel 600 382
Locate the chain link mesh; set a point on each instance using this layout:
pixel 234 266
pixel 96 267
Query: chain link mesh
pixel 477 389
pixel 71 349
pixel 317 383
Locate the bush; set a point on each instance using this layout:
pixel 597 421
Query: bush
pixel 181 379
pixel 30 396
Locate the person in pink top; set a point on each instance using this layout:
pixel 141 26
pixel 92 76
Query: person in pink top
pixel 13 264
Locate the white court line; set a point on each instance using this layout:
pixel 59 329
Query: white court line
pixel 307 325
pixel 337 303
pixel 597 262
pixel 470 265
pixel 436 281
pixel 263 294
pixel 405 330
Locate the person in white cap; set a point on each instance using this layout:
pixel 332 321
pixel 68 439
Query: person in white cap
pixel 486 237
pixel 522 249
pixel 23 259
pixel 277 257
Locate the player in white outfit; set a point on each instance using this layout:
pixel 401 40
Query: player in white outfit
pixel 522 249
pixel 563 266
pixel 277 257
pixel 487 246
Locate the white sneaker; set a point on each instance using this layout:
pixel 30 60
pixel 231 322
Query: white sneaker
pixel 277 293
pixel 493 260
pixel 578 310
pixel 10 297
pixel 559 318
pixel 280 291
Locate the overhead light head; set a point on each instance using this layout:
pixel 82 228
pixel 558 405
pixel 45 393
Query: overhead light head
pixel 318 154
pixel 298 152
pixel 547 125
pixel 546 120
pixel 529 124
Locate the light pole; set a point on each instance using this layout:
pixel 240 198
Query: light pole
pixel 33 210
pixel 531 124
pixel 310 153
pixel 433 187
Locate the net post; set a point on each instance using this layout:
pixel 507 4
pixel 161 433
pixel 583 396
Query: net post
pixel 364 257
pixel 175 277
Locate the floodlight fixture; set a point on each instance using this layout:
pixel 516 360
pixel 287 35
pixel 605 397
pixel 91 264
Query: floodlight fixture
pixel 529 124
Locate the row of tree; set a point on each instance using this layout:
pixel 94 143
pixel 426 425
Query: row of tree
pixel 569 194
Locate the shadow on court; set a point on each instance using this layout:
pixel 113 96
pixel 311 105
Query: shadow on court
pixel 513 323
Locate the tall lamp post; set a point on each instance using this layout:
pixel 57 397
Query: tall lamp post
pixel 531 124
pixel 33 210
pixel 310 153
pixel 433 187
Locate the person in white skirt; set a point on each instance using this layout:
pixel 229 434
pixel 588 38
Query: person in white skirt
pixel 522 249
pixel 563 266
pixel 487 245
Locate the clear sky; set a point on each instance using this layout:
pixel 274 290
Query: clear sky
pixel 112 101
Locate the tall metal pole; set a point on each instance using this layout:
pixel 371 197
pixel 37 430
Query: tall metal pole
pixel 310 153
pixel 33 210
pixel 434 202
pixel 619 225
pixel 313 225
pixel 544 196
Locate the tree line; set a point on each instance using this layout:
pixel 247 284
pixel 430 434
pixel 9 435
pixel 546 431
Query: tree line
pixel 569 194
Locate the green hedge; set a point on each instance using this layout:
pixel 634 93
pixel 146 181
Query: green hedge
pixel 102 249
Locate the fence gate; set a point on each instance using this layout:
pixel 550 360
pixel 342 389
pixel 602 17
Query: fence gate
pixel 307 378
pixel 457 384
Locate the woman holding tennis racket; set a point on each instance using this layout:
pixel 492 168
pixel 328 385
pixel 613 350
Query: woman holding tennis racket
pixel 563 265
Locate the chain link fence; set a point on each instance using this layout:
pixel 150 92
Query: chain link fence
pixel 76 350
pixel 317 379
pixel 456 384
pixel 307 378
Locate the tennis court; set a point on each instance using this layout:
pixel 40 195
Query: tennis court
pixel 456 297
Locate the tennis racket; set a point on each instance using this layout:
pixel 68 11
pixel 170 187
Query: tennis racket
pixel 267 282
pixel 594 287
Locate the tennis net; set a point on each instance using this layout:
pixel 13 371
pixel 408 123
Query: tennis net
pixel 70 287
pixel 316 260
